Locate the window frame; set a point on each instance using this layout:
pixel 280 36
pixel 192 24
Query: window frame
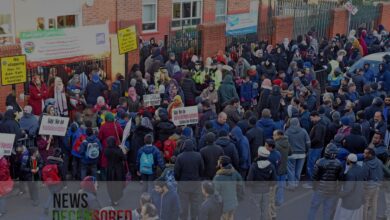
pixel 220 15
pixel 191 18
pixel 11 35
pixel 155 16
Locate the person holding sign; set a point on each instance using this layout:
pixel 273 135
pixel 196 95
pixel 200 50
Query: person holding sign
pixel 10 126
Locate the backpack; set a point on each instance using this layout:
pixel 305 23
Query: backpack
pixel 169 148
pixel 50 174
pixel 78 142
pixel 6 182
pixel 146 163
pixel 92 152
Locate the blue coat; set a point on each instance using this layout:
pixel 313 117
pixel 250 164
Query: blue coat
pixel 243 148
pixel 150 149
pixel 268 126
pixel 93 91
pixel 83 150
pixel 218 127
pixel 168 205
pixel 369 76
pixel 247 92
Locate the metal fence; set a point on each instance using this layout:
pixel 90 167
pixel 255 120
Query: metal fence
pixel 322 77
pixel 366 17
pixel 181 40
pixel 241 39
pixel 307 17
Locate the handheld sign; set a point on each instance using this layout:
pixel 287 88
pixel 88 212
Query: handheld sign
pixel 6 143
pixel 152 100
pixel 185 115
pixel 53 125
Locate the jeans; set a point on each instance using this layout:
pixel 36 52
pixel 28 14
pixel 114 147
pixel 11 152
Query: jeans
pixel 294 170
pixel 329 205
pixel 86 167
pixel 279 199
pixel 147 182
pixel 261 200
pixel 314 155
pixel 190 199
pixel 370 203
pixel 33 190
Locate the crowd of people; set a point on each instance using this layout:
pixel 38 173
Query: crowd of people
pixel 262 117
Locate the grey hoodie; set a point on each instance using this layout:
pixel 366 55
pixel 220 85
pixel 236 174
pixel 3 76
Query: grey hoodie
pixel 374 169
pixel 297 137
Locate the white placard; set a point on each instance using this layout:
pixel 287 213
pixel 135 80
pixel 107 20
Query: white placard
pixel 152 100
pixel 185 115
pixel 53 125
pixel 6 143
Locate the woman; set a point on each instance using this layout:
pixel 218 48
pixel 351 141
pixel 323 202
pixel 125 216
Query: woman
pixel 61 106
pixel 38 93
pixel 177 103
pixel 133 100
pixel 115 170
pixel 266 87
pixel 45 145
pixel 210 94
pixel 101 102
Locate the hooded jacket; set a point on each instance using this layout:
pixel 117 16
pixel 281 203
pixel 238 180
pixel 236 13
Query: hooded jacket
pixel 164 128
pixel 211 208
pixel 255 137
pixel 29 123
pixel 243 148
pixel 297 137
pixel 355 142
pixel 227 91
pixel 10 126
pixel 167 204
pixel 262 175
pixel 268 126
pixel 284 148
pixel 210 155
pixel 94 90
pixel 274 103
pixel 374 168
pixel 189 164
pixel 84 148
pixel 151 149
pixel 229 149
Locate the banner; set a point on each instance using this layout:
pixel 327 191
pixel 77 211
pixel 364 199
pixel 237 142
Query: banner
pixel 152 100
pixel 6 143
pixel 58 46
pixel 53 125
pixel 127 40
pixel 13 70
pixel 185 115
pixel 241 24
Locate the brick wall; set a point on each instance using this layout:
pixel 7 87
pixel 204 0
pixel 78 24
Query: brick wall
pixel 384 17
pixel 283 26
pixel 209 11
pixel 11 50
pixel 213 39
pixel 339 22
pixel 100 12
pixel 238 6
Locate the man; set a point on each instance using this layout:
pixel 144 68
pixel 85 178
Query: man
pixel 274 157
pixel 326 174
pixel 227 91
pixel 317 137
pixel 355 142
pixel 148 157
pixel 90 150
pixel 242 145
pixel 304 117
pixel 9 125
pixel 228 147
pixel 220 123
pixel 377 124
pixel 266 123
pixel 374 167
pixel 364 124
pixel 352 194
pixel 211 208
pixel 263 175
pixel 376 106
pixel 210 154
pixel 231 110
pixel 255 137
pixel 166 201
pixel 368 74
pixel 229 185
pixel 207 113
pixel 300 143
pixel 189 167
pixel 29 122
pixel 283 146
pixel 358 79
pixel 171 63
pixel 381 151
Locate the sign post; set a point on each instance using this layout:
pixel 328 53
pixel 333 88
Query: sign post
pixel 127 41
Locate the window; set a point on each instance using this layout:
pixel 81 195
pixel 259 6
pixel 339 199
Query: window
pixel 66 21
pixel 6 23
pixel 220 11
pixel 186 13
pixel 149 15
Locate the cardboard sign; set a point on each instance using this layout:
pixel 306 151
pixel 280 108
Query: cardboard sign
pixel 350 7
pixel 6 143
pixel 185 115
pixel 152 100
pixel 13 70
pixel 127 40
pixel 53 125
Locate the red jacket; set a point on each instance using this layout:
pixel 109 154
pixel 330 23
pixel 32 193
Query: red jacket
pixel 37 97
pixel 105 131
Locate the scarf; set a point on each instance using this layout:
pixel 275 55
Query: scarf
pixel 61 106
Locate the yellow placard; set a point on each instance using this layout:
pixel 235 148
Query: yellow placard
pixel 127 40
pixel 13 70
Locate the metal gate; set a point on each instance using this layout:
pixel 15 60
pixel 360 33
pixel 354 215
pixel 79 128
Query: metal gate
pixel 307 17
pixel 366 17
pixel 241 39
pixel 182 40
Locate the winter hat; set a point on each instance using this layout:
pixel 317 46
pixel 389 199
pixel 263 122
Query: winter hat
pixel 224 160
pixel 263 152
pixel 294 122
pixel 210 138
pixel 345 120
pixel 352 158
pixel 187 131
pixel 266 84
pixel 277 82
pixel 336 116
pixel 109 117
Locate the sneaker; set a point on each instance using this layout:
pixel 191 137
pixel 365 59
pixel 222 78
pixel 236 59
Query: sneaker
pixel 307 186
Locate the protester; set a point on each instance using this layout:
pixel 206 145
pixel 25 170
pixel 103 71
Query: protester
pixel 166 201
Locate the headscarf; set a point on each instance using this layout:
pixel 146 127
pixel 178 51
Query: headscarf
pixel 61 106
pixel 101 101
pixel 266 84
pixel 132 94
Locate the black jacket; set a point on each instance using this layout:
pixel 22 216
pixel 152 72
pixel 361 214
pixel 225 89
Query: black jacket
pixel 211 208
pixel 255 137
pixel 274 103
pixel 164 129
pixel 10 126
pixel 189 89
pixel 355 142
pixel 317 135
pixel 210 155
pixel 189 164
pixel 262 175
pixel 352 194
pixel 326 173
pixel 229 149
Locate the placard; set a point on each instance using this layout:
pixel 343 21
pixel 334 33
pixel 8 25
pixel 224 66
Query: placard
pixel 350 7
pixel 127 39
pixel 6 143
pixel 53 125
pixel 13 70
pixel 185 115
pixel 152 100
